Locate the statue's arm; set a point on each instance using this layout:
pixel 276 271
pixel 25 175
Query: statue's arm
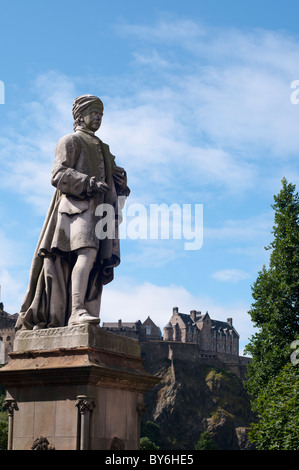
pixel 120 177
pixel 64 175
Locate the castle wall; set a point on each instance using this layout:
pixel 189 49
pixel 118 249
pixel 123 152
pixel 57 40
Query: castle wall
pixel 7 336
pixel 128 333
pixel 157 351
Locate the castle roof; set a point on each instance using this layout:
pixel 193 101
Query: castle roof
pixel 223 325
pixel 196 317
pixel 186 318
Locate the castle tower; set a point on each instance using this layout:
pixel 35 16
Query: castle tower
pixel 168 332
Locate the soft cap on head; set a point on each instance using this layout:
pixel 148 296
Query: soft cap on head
pixel 82 102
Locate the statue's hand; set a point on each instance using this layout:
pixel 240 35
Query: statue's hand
pixel 101 187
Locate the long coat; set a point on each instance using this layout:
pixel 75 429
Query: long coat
pixel 69 226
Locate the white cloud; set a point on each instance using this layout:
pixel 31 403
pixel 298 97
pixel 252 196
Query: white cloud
pixel 234 85
pixel 12 290
pixel 12 276
pixel 27 156
pixel 255 228
pixel 156 152
pixel 10 251
pixel 31 179
pixel 171 31
pixel 154 255
pixel 231 275
pixel 152 59
pixel 244 107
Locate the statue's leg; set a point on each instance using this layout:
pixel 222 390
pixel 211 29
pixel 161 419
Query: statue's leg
pixel 79 281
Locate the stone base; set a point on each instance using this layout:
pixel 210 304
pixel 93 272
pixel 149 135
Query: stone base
pixel 77 387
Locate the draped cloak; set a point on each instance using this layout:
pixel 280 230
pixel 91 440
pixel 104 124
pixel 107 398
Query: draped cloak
pixel 69 226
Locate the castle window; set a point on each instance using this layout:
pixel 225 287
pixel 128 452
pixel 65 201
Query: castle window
pixel 148 330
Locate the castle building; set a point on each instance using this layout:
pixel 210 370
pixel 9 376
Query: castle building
pixel 210 335
pixel 146 331
pixel 188 337
pixel 7 333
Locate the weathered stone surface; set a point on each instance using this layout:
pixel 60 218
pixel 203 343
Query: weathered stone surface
pixel 195 394
pixel 46 379
pixel 85 335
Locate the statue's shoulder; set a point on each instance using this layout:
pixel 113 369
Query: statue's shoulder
pixel 68 143
pixel 69 138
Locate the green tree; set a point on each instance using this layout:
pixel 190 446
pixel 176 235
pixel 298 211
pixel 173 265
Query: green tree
pixel 275 314
pixel 151 431
pixel 205 442
pixel 3 435
pixel 278 406
pixel 147 444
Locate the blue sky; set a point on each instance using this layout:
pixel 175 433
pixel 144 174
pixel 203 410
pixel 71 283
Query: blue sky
pixel 197 109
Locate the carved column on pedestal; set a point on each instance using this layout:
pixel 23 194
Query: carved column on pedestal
pixel 85 407
pixel 11 405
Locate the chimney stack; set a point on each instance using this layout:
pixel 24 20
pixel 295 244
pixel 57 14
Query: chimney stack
pixel 193 314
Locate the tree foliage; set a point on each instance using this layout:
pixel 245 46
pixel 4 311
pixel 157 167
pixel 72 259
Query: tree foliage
pixel 151 431
pixel 205 442
pixel 3 435
pixel 147 444
pixel 275 313
pixel 278 407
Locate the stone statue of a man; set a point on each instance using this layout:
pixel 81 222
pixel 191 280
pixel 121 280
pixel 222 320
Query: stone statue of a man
pixel 71 264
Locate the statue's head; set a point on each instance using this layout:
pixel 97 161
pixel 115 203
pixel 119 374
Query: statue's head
pixel 88 112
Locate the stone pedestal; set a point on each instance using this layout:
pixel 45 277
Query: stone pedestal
pixel 74 388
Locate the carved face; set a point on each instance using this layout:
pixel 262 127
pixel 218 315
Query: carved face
pixel 92 117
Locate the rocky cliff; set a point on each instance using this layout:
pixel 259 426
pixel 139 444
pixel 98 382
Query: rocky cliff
pixel 195 395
